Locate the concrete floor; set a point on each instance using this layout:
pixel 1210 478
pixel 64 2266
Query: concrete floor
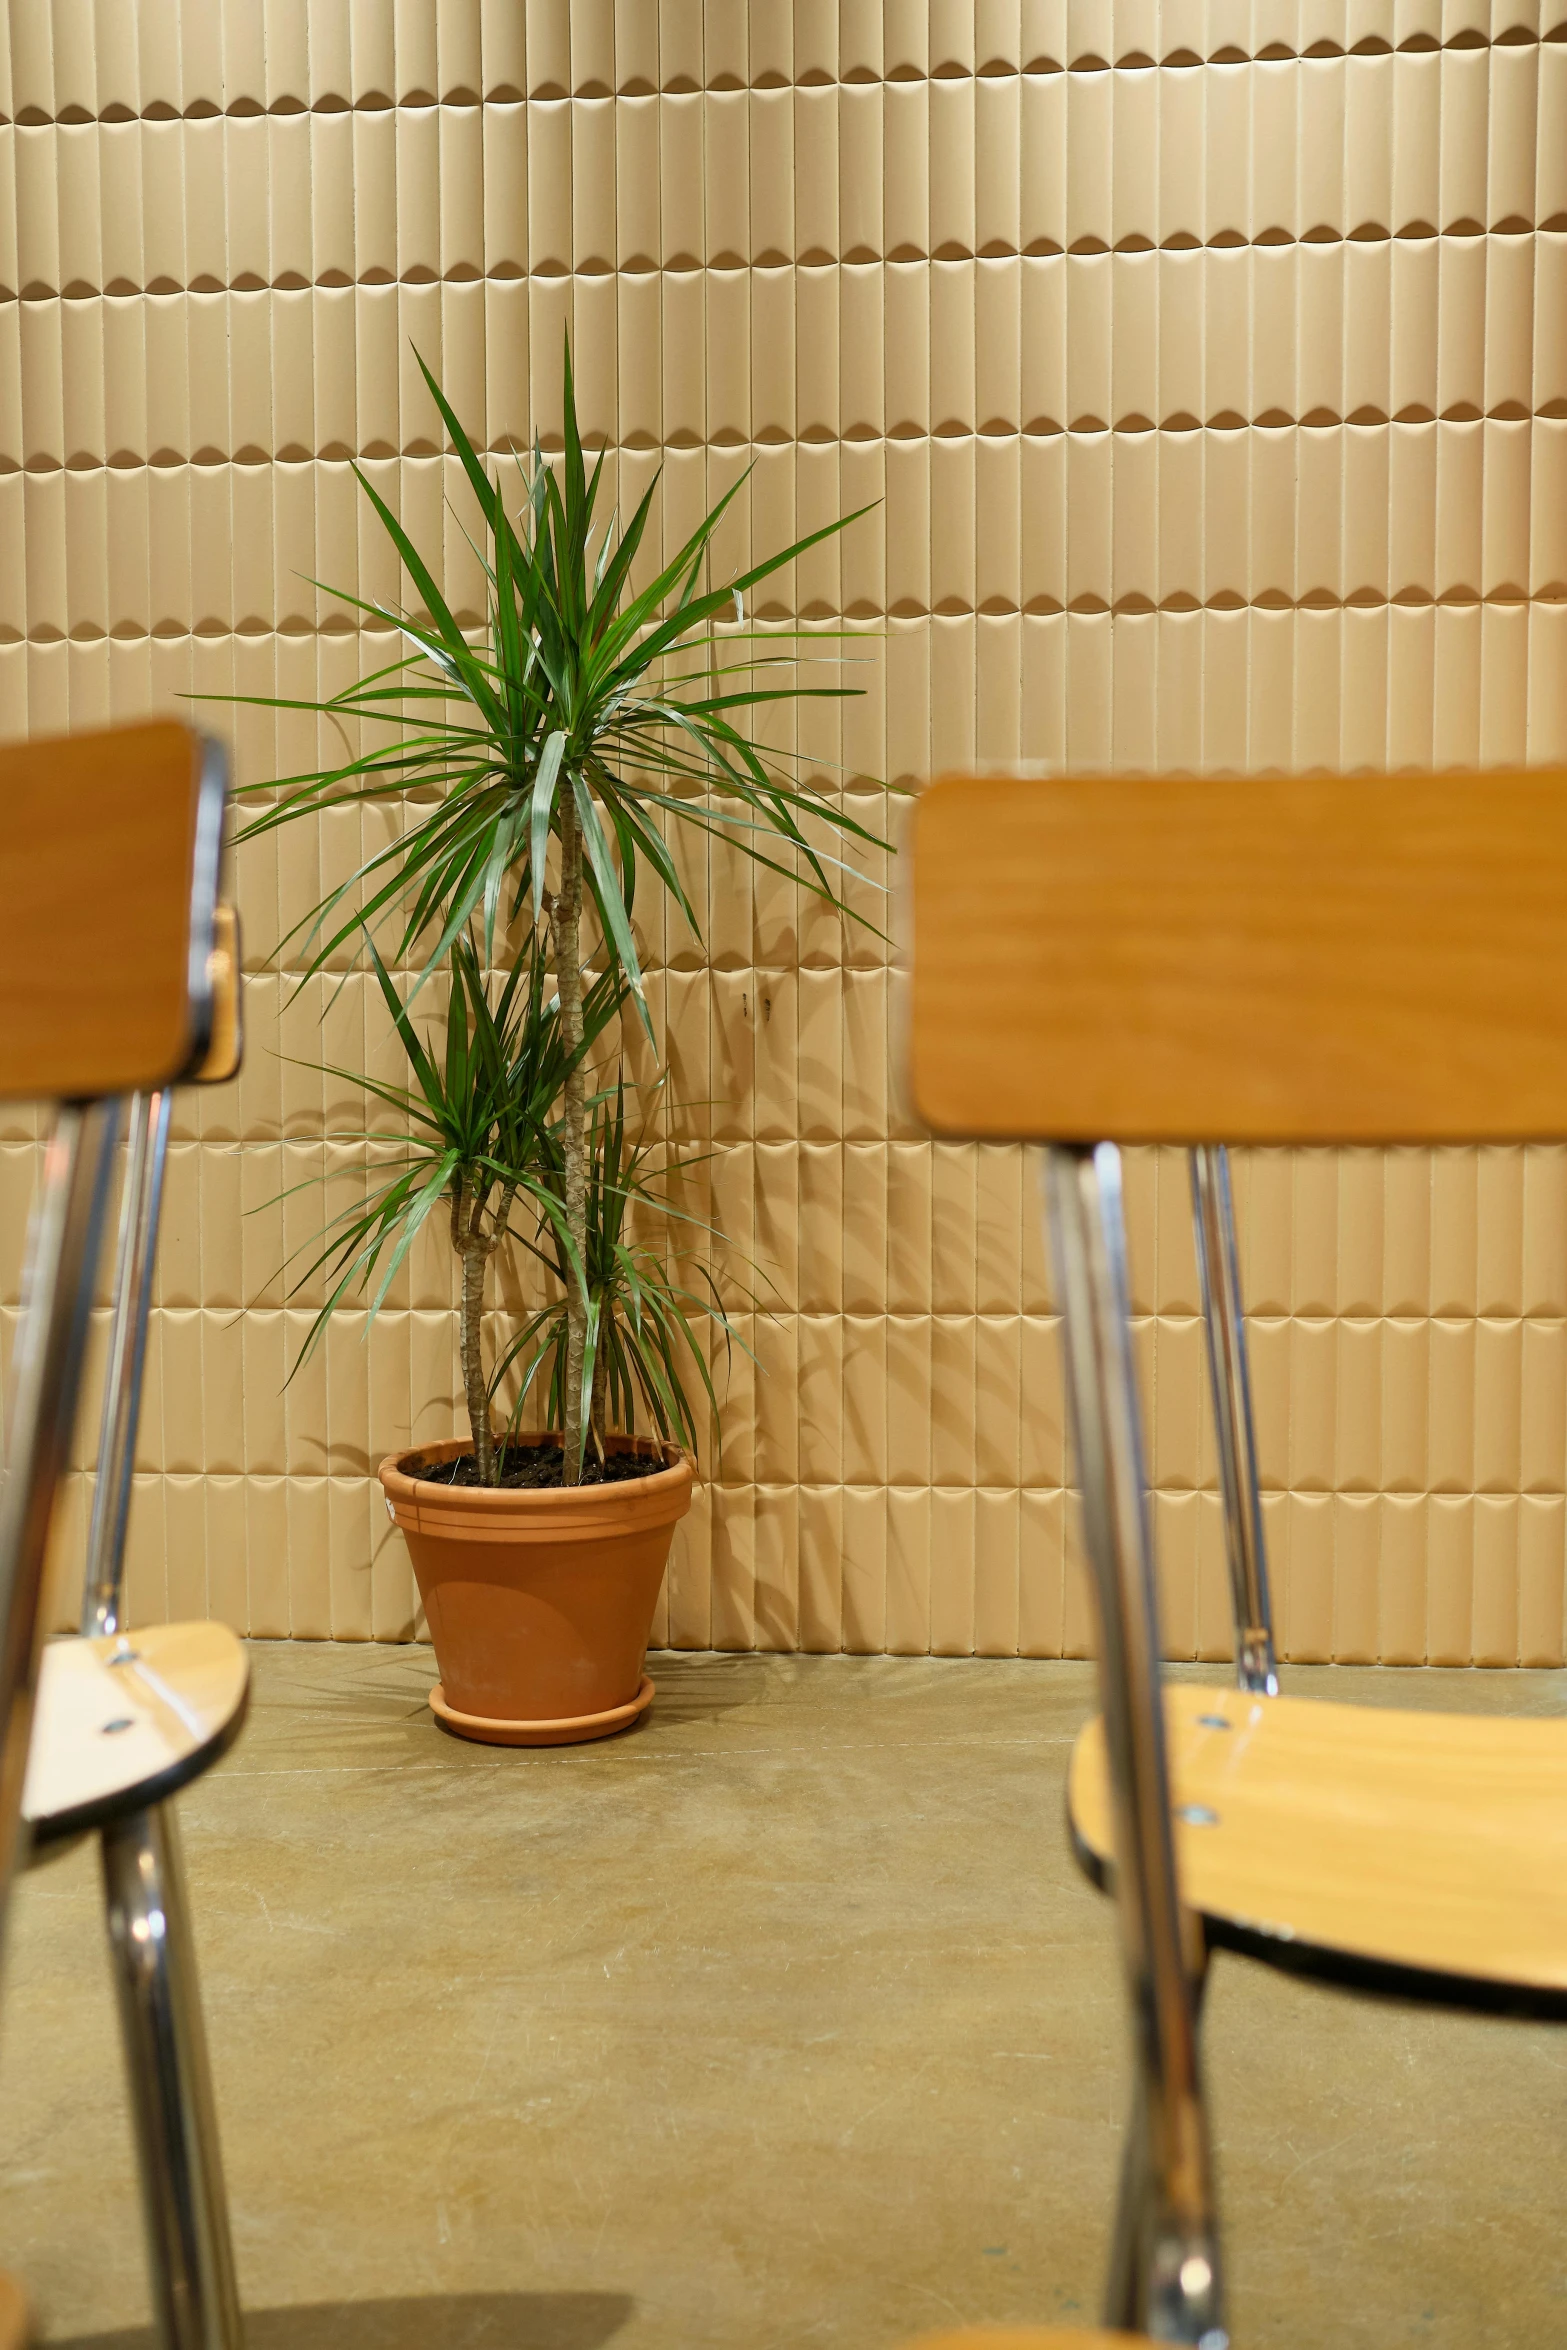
pixel 784 2020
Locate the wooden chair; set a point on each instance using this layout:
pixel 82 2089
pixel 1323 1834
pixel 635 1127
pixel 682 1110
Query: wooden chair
pixel 1165 2272
pixel 1024 2338
pixel 129 824
pixel 1307 961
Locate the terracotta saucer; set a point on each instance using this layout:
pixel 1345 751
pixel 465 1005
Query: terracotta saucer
pixel 569 1730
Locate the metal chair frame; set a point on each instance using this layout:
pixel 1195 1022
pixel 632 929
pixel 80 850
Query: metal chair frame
pixel 1165 2276
pixel 1229 1379
pixel 147 1905
pixel 141 1209
pixel 190 2255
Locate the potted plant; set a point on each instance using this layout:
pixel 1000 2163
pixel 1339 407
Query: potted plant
pixel 555 757
pixel 538 1599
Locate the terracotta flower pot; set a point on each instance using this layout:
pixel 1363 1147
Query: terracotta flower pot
pixel 539 1603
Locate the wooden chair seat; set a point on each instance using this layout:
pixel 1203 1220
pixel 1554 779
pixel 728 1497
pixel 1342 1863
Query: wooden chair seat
pixel 16 2317
pixel 1026 2338
pixel 125 1722
pixel 1418 1853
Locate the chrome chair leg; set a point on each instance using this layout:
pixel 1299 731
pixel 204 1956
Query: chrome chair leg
pixel 180 2163
pixel 46 1374
pixel 1229 1377
pixel 195 2301
pixel 1129 2248
pixel 140 1208
pixel 1169 2243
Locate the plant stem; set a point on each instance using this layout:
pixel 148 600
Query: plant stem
pixel 600 1391
pixel 566 928
pixel 474 1250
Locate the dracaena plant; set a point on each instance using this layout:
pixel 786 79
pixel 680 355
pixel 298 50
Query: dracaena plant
pixel 648 1298
pixel 556 750
pixel 480 1124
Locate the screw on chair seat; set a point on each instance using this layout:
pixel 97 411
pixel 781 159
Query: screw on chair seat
pixel 1417 1853
pixel 124 1722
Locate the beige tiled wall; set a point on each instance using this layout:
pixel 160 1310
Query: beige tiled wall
pixel 1209 361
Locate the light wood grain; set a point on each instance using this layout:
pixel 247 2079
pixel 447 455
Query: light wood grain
pixel 127 1719
pixel 227 1046
pixel 97 849
pixel 1318 959
pixel 1417 1840
pixel 1023 2338
pixel 16 2317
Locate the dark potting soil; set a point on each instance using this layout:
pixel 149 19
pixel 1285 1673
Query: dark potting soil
pixel 538 1466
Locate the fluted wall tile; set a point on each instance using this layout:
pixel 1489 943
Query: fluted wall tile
pixel 1206 364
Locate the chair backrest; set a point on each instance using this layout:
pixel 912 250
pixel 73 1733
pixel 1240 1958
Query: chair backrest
pixel 1304 960
pixel 109 849
pixel 109 852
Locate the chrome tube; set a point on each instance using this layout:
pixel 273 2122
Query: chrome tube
pixel 1165 2277
pixel 1125 2297
pixel 46 1376
pixel 141 1202
pixel 1229 1378
pixel 184 2205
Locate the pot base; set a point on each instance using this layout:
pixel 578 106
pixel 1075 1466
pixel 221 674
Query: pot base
pixel 572 1730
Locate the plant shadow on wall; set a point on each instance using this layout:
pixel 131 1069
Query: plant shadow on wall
pixel 540 768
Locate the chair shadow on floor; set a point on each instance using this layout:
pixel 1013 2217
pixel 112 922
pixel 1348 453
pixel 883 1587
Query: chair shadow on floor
pixel 438 2321
pixel 695 1685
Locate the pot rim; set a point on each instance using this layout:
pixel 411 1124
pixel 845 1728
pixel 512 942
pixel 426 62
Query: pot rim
pixel 400 1485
